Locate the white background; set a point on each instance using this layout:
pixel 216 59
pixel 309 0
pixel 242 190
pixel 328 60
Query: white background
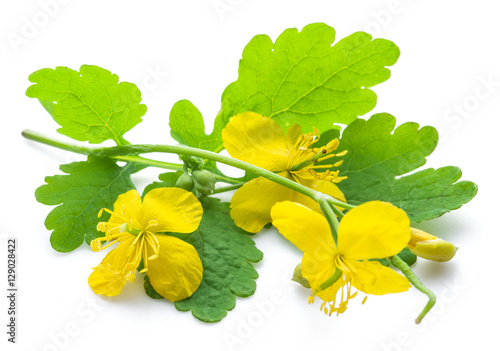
pixel 187 50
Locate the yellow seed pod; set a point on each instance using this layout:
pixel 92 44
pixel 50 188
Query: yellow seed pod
pixel 430 247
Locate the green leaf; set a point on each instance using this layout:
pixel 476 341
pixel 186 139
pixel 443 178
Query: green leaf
pixel 379 157
pixel 406 255
pixel 187 127
pixel 167 180
pixel 409 257
pixel 89 105
pixel 88 187
pixel 226 252
pixel 302 78
pixel 150 291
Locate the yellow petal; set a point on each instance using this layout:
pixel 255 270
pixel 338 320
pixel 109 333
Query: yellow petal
pixel 173 209
pixel 323 186
pixel 126 205
pixel 317 269
pixel 110 276
pixel 376 279
pixel 177 271
pixel 104 282
pixel 251 204
pixel 293 133
pixel 306 229
pixel 373 230
pixel 258 140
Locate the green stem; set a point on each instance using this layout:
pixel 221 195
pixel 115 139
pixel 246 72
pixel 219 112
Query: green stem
pixel 150 162
pixel 330 217
pixel 84 150
pixel 130 153
pixel 227 188
pixel 335 202
pixel 132 150
pixel 228 180
pixel 406 270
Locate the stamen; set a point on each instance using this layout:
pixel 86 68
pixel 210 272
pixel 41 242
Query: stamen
pixel 321 166
pixel 303 157
pixel 96 244
pixel 155 244
pixel 121 217
pixel 151 223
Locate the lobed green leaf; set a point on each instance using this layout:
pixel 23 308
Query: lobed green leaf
pixel 226 252
pixel 89 105
pixel 88 187
pixel 303 78
pixel 378 158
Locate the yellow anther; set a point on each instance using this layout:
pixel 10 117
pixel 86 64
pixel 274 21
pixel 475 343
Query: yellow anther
pixel 101 226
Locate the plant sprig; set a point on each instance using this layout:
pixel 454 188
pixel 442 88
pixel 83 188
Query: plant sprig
pixel 320 84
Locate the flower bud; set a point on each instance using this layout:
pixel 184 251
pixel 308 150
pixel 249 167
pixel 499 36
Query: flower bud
pixel 430 247
pixel 204 181
pixel 185 182
pixel 299 278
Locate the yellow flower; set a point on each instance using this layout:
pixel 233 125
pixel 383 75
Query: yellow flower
pixel 372 230
pixel 430 247
pixel 260 141
pixel 172 265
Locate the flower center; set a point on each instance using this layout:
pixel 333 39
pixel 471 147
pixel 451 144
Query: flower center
pixel 303 160
pixel 341 286
pixel 140 242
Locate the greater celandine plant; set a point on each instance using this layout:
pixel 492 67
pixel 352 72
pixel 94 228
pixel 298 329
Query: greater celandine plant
pixel 333 184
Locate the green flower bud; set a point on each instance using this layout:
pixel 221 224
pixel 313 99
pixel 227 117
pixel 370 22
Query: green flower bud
pixel 430 247
pixel 204 181
pixel 185 182
pixel 192 162
pixel 299 278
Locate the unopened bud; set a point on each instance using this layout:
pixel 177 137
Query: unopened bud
pixel 299 278
pixel 185 182
pixel 204 181
pixel 430 247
